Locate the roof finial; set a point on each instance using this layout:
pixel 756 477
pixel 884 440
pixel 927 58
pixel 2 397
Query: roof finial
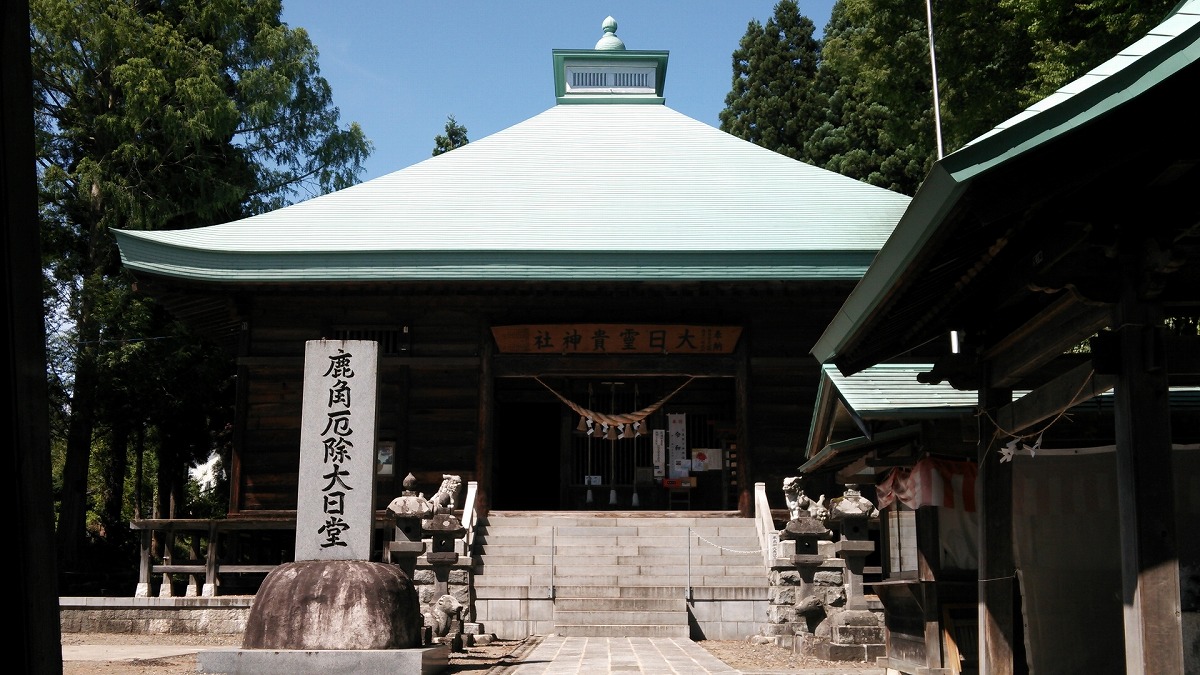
pixel 610 41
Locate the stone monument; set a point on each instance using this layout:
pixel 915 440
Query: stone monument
pixel 333 609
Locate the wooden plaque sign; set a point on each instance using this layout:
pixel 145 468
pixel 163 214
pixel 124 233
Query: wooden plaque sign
pixel 615 338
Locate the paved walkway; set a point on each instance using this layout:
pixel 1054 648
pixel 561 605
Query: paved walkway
pixel 550 655
pixel 557 655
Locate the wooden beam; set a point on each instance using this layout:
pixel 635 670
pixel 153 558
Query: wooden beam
pixel 1069 389
pixel 1045 337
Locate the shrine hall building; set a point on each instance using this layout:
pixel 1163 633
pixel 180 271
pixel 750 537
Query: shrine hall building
pixel 609 305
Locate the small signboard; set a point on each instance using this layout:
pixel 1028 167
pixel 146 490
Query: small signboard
pixel 335 505
pixel 680 463
pixel 660 453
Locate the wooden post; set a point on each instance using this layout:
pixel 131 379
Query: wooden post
pixel 745 504
pixel 1145 489
pixel 210 561
pixel 144 564
pixel 929 568
pixel 997 569
pixel 486 436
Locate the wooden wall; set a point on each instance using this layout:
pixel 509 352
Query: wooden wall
pixel 431 383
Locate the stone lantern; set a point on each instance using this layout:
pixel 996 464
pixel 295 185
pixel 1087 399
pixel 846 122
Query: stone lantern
pixel 852 514
pixel 407 511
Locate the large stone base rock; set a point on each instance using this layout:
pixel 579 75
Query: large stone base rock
pixel 334 604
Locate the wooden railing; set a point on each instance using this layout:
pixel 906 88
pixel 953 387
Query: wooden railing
pixel 202 534
pixel 207 542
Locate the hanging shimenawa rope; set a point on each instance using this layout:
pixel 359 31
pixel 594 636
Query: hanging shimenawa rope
pixel 614 420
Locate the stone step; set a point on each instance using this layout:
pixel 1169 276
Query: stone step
pixel 575 592
pixel 609 521
pixel 544 591
pixel 606 576
pixel 486 561
pixel 618 570
pixel 624 577
pixel 597 617
pixel 624 630
pixel 673 603
pixel 706 529
pixel 742 545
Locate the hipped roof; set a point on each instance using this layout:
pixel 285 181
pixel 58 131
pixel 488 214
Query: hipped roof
pixel 613 191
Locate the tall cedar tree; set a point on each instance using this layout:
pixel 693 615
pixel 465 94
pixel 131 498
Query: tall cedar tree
pixel 774 102
pixel 159 114
pixel 875 85
pixel 455 137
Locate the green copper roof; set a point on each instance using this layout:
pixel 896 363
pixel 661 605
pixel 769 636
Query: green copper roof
pixel 578 192
pixel 891 388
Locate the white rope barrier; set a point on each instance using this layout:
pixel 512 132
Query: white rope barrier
pixel 730 550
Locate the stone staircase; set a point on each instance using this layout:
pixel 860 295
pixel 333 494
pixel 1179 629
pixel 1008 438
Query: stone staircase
pixel 608 574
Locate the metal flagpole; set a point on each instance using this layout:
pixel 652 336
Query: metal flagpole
pixel 937 106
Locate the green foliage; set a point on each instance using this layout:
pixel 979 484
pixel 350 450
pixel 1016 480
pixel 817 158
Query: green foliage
pixel 158 114
pixel 868 132
pixel 773 101
pixel 874 81
pixel 455 137
pixel 1068 39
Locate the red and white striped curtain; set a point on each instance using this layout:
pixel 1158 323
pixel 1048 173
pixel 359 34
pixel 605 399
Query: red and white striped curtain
pixel 930 482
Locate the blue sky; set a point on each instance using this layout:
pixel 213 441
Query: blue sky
pixel 400 67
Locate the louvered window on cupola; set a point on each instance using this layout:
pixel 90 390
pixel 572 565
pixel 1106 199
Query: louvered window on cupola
pixel 611 79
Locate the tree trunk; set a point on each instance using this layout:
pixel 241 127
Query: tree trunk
pixel 138 482
pixel 115 468
pixel 72 518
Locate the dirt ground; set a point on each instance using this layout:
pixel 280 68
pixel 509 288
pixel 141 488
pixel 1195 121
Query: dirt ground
pixel 743 656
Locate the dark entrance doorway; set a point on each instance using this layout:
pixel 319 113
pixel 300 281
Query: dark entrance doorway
pixel 528 455
pixel 546 458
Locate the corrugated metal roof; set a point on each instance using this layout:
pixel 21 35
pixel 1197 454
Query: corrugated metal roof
pixel 892 387
pixel 579 191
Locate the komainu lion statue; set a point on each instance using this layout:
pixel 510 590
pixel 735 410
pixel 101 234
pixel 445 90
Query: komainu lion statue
pixel 799 503
pixel 443 614
pixel 443 500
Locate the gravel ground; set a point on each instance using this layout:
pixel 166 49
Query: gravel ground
pixel 741 655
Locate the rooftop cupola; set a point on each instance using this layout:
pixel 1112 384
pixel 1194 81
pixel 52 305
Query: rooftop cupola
pixel 609 41
pixel 610 73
